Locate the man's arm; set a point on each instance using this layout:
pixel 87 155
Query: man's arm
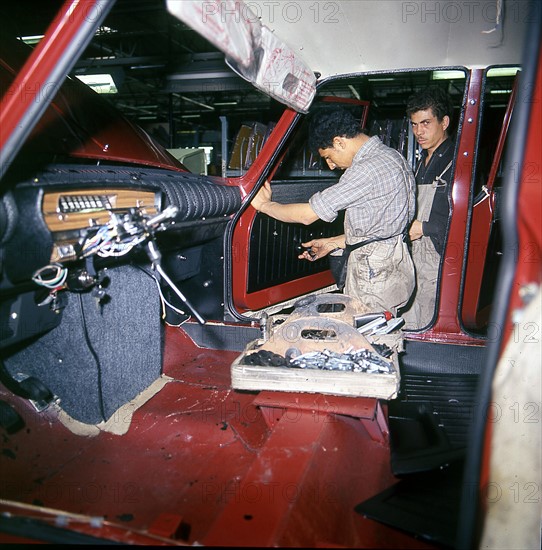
pixel 416 230
pixel 322 247
pixel 435 227
pixel 291 213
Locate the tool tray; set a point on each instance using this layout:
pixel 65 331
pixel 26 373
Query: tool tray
pixel 319 349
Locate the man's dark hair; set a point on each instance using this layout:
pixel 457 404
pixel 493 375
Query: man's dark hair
pixel 434 98
pixel 329 122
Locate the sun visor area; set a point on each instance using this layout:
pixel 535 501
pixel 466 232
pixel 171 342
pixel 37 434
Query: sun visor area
pixel 251 49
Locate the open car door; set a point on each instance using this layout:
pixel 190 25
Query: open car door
pixel 265 268
pixel 485 250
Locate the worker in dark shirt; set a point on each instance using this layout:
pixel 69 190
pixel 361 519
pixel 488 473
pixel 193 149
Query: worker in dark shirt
pixel 430 115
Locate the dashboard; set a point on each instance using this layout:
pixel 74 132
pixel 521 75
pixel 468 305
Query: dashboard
pixel 68 214
pixel 61 227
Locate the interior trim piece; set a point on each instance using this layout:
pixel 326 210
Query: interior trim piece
pixel 73 210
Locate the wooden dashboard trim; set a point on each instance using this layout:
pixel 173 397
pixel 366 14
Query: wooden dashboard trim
pixel 119 200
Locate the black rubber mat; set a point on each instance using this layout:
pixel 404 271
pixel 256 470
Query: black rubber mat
pixel 417 442
pixel 429 427
pixel 452 398
pixel 430 419
pixel 426 505
pixel 431 357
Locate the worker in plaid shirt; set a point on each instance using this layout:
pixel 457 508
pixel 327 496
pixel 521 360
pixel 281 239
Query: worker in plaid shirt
pixel 377 193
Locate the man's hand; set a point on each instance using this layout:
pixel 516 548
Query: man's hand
pixel 318 248
pixel 416 230
pixel 262 197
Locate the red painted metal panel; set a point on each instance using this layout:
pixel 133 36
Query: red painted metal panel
pixel 357 407
pixel 241 236
pixel 35 84
pixel 529 258
pixel 502 136
pixel 259 170
pixel 260 503
pixel 27 87
pixel 78 122
pixel 529 253
pixel 304 485
pixel 479 235
pixel 184 474
pixel 448 325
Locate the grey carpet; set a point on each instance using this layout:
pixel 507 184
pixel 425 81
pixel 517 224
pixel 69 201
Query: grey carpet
pixel 100 357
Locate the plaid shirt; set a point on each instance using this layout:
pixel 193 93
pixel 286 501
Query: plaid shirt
pixel 377 192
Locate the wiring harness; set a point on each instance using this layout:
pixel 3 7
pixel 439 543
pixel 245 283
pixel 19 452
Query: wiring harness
pixel 118 237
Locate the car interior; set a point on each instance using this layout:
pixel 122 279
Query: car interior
pixel 128 273
pixel 70 280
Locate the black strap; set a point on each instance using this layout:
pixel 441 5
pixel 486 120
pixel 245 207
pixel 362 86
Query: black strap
pixel 350 247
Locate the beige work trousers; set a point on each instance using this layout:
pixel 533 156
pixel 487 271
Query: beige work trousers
pixel 381 275
pixel 426 261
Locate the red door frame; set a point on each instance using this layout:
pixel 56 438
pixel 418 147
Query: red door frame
pixel 482 219
pixel 447 326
